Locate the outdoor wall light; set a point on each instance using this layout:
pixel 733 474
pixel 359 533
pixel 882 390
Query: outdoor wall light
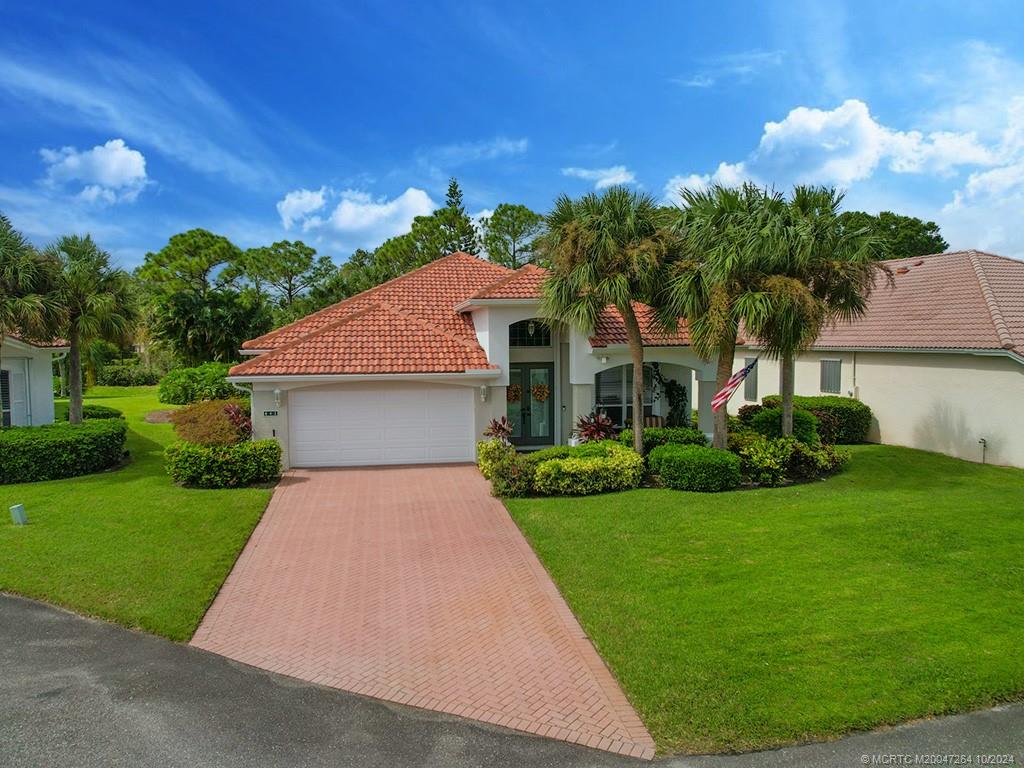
pixel 277 397
pixel 603 359
pixel 483 393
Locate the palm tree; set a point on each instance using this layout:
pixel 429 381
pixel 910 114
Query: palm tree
pixel 735 239
pixel 829 276
pixel 25 282
pixel 96 301
pixel 609 249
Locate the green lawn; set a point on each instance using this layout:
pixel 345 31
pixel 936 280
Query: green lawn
pixel 755 618
pixel 128 546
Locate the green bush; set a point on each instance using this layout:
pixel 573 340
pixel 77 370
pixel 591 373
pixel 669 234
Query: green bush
pixel 90 411
pixel 768 422
pixel 655 436
pixel 606 466
pixel 808 462
pixel 489 453
pixel 190 385
pixel 127 375
pixel 695 467
pixel 512 474
pixel 853 416
pixel 765 460
pixel 60 450
pixel 584 450
pixel 224 466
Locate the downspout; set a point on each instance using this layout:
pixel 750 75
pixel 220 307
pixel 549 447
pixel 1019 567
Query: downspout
pixel 28 391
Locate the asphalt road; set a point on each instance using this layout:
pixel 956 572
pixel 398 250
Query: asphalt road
pixel 77 692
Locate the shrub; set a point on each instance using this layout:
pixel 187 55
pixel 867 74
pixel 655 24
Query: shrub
pixel 852 416
pixel 594 427
pixel 489 453
pixel 695 467
pixel 582 474
pixel 808 462
pixel 512 474
pixel 190 385
pixel 90 411
pixel 127 375
pixel 768 422
pixel 655 436
pixel 500 429
pixel 223 466
pixel 765 460
pixel 585 450
pixel 59 450
pixel 747 412
pixel 212 422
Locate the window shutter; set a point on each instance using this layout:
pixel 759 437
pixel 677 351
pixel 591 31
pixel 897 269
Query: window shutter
pixel 609 387
pixel 831 376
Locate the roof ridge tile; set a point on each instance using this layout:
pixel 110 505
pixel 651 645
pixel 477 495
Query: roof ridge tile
pixel 1005 340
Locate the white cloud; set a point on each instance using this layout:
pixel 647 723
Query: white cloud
pixel 359 219
pixel 742 66
pixel 451 155
pixel 111 172
pixel 602 177
pixel 726 175
pixel 299 204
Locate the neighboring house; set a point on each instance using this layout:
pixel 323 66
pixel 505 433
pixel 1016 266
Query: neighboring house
pixel 413 370
pixel 939 357
pixel 26 382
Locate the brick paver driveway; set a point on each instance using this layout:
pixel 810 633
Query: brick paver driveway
pixel 412 584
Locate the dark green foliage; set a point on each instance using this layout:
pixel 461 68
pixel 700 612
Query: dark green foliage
pixel 769 461
pixel 695 467
pixel 655 436
pixel 594 467
pixel 91 411
pixel 224 466
pixel 512 474
pixel 210 326
pixel 190 385
pixel 853 416
pixel 808 462
pixel 747 412
pixel 768 422
pixel 509 234
pixel 901 236
pixel 60 450
pixel 127 375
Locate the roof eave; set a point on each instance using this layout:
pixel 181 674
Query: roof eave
pixel 474 373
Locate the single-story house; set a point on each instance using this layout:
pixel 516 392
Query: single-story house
pixel 413 370
pixel 939 357
pixel 26 381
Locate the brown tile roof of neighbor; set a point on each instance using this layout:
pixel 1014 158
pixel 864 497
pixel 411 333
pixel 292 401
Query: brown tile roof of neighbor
pixel 955 300
pixel 51 344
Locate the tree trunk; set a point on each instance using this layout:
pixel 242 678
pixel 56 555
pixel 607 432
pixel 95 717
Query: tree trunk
pixel 787 374
pixel 75 378
pixel 636 351
pixel 726 359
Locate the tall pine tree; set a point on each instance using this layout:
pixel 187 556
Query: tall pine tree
pixel 458 232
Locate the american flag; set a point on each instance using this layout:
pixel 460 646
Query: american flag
pixel 731 386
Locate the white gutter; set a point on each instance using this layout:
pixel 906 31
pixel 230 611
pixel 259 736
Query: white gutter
pixel 486 373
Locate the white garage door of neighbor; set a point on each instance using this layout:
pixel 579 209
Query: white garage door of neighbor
pixel 380 423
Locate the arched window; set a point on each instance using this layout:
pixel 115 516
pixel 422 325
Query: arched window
pixel 613 393
pixel 529 333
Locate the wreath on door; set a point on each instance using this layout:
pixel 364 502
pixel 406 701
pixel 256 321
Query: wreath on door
pixel 514 393
pixel 540 392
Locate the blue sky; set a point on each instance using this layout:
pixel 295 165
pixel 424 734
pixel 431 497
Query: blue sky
pixel 336 124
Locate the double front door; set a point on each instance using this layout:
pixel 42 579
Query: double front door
pixel 531 403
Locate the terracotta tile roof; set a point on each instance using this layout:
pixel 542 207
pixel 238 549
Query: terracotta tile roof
pixel 429 293
pixel 524 283
pixel 51 344
pixel 955 300
pixel 407 325
pixel 611 329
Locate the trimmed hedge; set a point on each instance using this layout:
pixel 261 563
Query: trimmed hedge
pixel 58 451
pixel 695 467
pixel 615 468
pixel 852 417
pixel 90 411
pixel 768 422
pixel 655 436
pixel 183 386
pixel 127 375
pixel 223 466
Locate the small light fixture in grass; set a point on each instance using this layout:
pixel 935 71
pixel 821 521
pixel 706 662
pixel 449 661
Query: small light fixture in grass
pixel 18 516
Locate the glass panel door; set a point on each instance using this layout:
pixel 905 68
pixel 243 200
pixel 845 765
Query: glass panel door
pixel 541 403
pixel 514 402
pixel 530 403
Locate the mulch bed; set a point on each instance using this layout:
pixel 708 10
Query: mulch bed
pixel 159 417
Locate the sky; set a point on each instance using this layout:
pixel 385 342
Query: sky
pixel 336 123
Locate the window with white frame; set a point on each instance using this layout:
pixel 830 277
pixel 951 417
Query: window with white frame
pixel 831 376
pixel 750 383
pixel 613 393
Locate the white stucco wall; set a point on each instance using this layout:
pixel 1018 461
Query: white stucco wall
pixel 37 367
pixel 944 402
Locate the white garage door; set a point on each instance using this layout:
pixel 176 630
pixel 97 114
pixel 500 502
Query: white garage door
pixel 380 423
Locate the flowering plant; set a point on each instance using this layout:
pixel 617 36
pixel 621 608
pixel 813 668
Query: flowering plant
pixel 596 426
pixel 500 429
